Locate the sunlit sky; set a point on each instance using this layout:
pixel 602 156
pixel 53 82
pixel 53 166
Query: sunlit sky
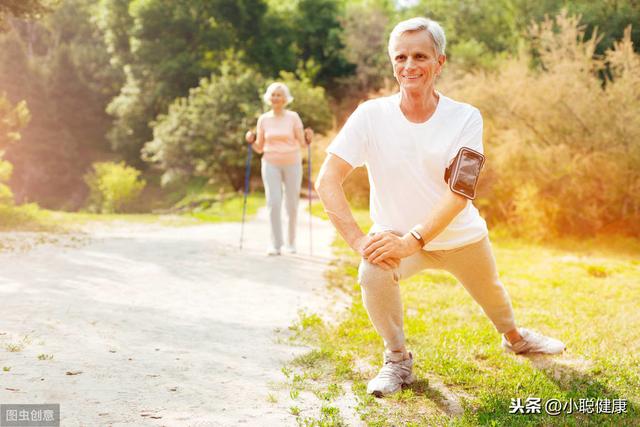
pixel 406 3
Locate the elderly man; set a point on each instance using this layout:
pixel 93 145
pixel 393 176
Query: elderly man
pixel 407 141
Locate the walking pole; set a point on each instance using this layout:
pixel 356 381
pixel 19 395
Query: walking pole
pixel 309 192
pixel 247 174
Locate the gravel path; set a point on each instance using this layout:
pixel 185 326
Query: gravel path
pixel 141 324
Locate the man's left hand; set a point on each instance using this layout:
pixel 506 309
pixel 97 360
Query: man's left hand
pixel 388 245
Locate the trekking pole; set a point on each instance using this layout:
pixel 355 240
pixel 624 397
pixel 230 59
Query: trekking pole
pixel 247 174
pixel 308 140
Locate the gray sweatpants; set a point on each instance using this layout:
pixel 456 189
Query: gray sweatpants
pixel 473 265
pixel 273 177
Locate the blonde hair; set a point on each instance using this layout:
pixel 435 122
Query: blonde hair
pixel 272 87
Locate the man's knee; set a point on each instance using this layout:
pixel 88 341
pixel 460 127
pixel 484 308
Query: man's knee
pixel 371 276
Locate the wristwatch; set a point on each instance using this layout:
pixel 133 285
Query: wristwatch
pixel 416 235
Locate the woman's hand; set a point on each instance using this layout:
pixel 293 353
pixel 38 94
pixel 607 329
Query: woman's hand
pixel 386 245
pixel 363 242
pixel 250 136
pixel 308 135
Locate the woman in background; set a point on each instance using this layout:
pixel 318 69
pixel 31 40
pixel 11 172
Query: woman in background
pixel 279 136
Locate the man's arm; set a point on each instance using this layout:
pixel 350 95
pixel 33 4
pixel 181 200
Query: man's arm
pixel 386 245
pixel 332 174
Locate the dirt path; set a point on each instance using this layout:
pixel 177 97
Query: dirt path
pixel 153 325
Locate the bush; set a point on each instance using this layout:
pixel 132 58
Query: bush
pixel 114 187
pixel 561 142
pixel 203 135
pixel 6 195
pixel 309 101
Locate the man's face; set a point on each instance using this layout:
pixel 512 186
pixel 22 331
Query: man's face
pixel 416 63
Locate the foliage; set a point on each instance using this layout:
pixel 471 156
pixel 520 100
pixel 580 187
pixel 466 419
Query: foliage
pixel 12 119
pixel 203 134
pixel 22 9
pixel 97 75
pixel 6 196
pixel 364 35
pixel 166 47
pixel 60 67
pixel 310 102
pixel 480 32
pixel 229 209
pixel 562 146
pixel 114 187
pixel 318 39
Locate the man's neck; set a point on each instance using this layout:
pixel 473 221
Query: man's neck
pixel 419 106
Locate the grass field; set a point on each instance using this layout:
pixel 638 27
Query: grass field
pixel 33 218
pixel 584 292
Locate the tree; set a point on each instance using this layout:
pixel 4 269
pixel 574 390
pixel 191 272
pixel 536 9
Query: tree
pixel 59 67
pixel 12 119
pixel 203 134
pixel 364 36
pixel 319 43
pixel 171 46
pixel 22 9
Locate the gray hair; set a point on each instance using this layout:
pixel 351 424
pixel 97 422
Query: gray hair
pixel 272 87
pixel 417 24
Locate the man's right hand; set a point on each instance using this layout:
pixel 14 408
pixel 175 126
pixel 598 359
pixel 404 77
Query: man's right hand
pixel 362 242
pixel 250 136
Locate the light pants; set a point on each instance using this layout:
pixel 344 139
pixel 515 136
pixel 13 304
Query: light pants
pixel 473 265
pixel 273 177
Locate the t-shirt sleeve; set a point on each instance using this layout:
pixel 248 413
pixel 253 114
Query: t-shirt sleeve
pixel 297 121
pixel 351 142
pixel 470 137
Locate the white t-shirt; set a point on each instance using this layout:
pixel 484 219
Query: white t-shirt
pixel 406 163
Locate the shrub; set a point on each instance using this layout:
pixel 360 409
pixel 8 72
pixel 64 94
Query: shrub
pixel 6 195
pixel 561 141
pixel 309 101
pixel 202 135
pixel 114 187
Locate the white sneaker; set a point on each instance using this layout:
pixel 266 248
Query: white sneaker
pixel 394 374
pixel 534 342
pixel 290 249
pixel 272 251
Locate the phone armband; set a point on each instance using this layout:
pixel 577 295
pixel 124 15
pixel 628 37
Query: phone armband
pixel 463 172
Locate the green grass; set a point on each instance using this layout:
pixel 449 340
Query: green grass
pixel 27 217
pixel 586 293
pixel 230 209
pixel 33 218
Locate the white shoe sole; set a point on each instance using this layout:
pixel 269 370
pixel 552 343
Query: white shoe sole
pixel 408 381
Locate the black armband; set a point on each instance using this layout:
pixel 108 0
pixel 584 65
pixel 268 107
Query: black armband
pixel 463 172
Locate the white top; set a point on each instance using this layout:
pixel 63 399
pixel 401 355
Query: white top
pixel 406 163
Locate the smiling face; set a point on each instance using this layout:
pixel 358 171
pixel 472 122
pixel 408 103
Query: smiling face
pixel 278 98
pixel 416 62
